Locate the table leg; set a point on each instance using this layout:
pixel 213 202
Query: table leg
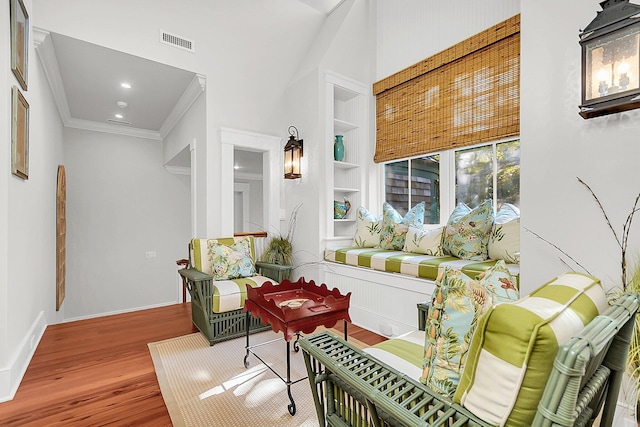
pixel 292 406
pixel 345 330
pixel 246 356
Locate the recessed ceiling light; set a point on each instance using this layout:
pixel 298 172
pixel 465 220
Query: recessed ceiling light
pixel 236 167
pixel 122 104
pixel 119 116
pixel 125 85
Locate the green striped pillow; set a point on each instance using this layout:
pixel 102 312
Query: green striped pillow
pixel 514 345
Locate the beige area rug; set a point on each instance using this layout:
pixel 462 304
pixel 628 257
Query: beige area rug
pixel 209 386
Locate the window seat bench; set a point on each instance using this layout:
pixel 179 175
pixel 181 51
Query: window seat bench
pixel 383 283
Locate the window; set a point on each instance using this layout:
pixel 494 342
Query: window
pixel 490 171
pixel 412 181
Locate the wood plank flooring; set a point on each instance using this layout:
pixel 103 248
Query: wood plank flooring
pixel 98 372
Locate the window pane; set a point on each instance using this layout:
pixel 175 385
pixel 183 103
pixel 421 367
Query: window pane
pixel 508 154
pixel 425 182
pixel 397 185
pixel 474 175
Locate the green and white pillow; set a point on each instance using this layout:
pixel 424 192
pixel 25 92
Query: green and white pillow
pixel 523 356
pixel 231 262
pixel 368 228
pixel 458 303
pixel 422 241
pixel 395 227
pixel 504 241
pixel 466 235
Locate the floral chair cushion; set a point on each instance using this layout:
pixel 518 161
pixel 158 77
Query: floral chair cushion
pixel 395 227
pixel 231 261
pixel 368 228
pixel 466 235
pixel 458 303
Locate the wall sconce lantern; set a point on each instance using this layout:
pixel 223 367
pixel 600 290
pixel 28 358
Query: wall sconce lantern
pixel 292 155
pixel 611 60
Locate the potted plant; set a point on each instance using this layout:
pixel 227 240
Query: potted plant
pixel 279 250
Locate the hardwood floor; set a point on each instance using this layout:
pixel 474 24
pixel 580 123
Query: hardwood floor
pixel 99 372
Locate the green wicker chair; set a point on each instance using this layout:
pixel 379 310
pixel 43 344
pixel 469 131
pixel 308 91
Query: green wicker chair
pixel 216 306
pixel 353 388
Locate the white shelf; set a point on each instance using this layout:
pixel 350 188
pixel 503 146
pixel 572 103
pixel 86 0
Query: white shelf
pixel 345 165
pixel 347 115
pixel 343 126
pixel 346 190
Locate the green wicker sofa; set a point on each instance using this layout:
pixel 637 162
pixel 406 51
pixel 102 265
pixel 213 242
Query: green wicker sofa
pixel 216 305
pixel 515 373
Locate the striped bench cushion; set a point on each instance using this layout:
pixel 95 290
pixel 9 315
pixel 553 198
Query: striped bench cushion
pixel 410 264
pixel 404 353
pixel 519 340
pixel 230 295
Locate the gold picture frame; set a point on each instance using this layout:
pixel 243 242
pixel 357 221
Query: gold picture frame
pixel 19 134
pixel 19 41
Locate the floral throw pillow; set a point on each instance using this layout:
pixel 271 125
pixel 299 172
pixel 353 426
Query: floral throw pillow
pixel 421 241
pixel 458 303
pixel 466 236
pixel 368 229
pixel 504 241
pixel 231 262
pixel 395 227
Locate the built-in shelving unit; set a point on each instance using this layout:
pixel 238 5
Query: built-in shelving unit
pixel 347 116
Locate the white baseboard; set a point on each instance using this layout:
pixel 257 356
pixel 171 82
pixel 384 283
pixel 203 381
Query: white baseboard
pixel 126 310
pixel 12 374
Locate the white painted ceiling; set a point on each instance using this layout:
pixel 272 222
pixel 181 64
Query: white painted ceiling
pixel 85 80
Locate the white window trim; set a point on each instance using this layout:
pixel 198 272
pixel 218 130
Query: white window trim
pixel 447 175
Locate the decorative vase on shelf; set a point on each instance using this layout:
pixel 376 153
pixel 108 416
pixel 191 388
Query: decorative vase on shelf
pixel 338 149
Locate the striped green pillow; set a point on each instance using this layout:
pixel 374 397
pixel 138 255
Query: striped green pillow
pixel 514 345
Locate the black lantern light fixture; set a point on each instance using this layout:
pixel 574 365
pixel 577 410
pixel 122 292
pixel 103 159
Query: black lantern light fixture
pixel 611 60
pixel 292 155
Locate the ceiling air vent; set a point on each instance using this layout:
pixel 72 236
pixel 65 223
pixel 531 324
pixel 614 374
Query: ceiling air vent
pixel 118 122
pixel 176 41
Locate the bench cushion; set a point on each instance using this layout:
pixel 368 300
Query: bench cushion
pixel 410 264
pixel 230 295
pixel 520 340
pixel 403 353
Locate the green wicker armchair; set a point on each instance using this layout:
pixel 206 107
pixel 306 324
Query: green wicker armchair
pixel 216 306
pixel 353 388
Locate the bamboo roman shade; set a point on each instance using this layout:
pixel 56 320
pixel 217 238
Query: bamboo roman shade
pixel 464 95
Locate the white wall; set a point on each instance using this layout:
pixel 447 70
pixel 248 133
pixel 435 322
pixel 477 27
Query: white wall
pixel 413 30
pixel 343 46
pixel 190 131
pixel 558 146
pixel 121 204
pixel 27 220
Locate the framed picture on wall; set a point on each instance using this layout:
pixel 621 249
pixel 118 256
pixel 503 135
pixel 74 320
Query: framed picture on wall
pixel 19 134
pixel 19 41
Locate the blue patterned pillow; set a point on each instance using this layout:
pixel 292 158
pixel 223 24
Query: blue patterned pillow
pixel 231 262
pixel 466 236
pixel 395 227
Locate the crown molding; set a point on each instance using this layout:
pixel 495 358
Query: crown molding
pixel 113 128
pixel 191 93
pixel 47 54
pixel 178 170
